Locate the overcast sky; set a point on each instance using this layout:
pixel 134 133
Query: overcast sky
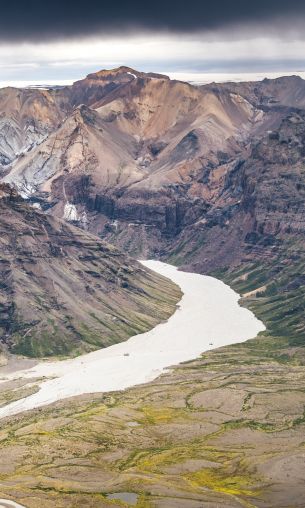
pixel 65 39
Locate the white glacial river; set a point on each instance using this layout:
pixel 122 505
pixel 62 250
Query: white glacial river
pixel 5 503
pixel 208 316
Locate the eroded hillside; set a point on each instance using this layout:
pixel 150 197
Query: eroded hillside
pixel 64 290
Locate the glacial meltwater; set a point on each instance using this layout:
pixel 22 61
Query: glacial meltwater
pixel 207 317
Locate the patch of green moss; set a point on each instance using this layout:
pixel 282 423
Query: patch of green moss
pixel 222 481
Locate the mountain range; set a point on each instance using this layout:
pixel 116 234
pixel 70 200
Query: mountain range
pixel 133 157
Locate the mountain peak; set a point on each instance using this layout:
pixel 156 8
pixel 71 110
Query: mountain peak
pixel 123 72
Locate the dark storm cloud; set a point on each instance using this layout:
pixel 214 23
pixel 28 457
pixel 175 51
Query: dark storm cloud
pixel 39 19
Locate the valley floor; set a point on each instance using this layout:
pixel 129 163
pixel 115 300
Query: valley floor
pixel 226 429
pixel 208 317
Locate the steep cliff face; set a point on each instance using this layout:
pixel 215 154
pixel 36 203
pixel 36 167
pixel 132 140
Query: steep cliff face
pixel 260 208
pixel 63 290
